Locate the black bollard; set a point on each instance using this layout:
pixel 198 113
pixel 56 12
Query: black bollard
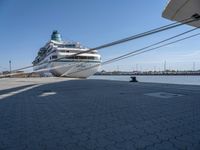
pixel 133 79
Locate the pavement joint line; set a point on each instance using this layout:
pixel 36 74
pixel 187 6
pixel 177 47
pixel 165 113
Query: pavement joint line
pixel 17 92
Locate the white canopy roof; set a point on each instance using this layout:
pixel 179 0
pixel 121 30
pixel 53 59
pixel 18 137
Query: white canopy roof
pixel 178 10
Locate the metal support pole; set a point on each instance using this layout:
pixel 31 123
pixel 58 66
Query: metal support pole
pixel 10 66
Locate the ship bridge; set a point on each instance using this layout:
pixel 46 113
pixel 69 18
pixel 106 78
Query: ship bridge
pixel 178 10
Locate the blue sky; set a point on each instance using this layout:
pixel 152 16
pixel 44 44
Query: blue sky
pixel 26 25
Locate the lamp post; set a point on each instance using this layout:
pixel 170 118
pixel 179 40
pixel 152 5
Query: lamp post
pixel 1 72
pixel 165 66
pixel 10 65
pixel 194 66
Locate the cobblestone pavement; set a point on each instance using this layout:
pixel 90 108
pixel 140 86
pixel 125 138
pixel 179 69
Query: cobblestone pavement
pixel 100 115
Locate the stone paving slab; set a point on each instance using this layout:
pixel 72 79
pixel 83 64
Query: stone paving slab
pixel 97 114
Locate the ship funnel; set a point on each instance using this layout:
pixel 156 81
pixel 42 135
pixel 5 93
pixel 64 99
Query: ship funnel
pixel 56 36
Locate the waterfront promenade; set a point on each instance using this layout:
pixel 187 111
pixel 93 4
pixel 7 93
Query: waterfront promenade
pixel 62 114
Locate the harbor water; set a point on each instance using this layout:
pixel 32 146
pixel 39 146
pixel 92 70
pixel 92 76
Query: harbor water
pixel 190 80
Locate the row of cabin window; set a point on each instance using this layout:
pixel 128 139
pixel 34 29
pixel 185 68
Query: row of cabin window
pixel 67 46
pixel 84 57
pixel 63 51
pixel 77 57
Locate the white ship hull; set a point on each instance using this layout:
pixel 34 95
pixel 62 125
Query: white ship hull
pixel 78 69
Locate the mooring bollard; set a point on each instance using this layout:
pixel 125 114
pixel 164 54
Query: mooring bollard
pixel 133 79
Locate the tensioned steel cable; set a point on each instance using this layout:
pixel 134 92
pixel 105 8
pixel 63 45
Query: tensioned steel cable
pixel 170 43
pixel 104 63
pixel 195 17
pixel 173 37
pixel 136 52
pixel 141 35
pixel 145 49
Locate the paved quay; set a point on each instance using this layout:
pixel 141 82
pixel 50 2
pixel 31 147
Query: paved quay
pixel 62 114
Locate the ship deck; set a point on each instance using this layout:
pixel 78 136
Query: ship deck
pixel 69 114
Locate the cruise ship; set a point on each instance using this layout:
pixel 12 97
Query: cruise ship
pixel 57 58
